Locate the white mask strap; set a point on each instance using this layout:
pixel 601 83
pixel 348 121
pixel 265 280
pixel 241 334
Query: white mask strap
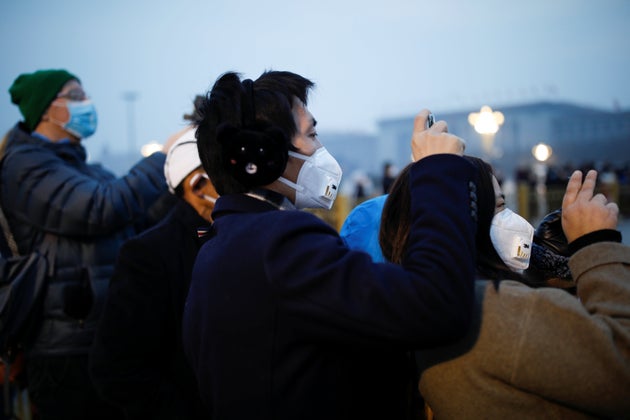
pixel 291 184
pixel 298 155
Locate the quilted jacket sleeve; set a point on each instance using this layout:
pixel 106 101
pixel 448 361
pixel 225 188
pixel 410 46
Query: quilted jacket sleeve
pixel 60 194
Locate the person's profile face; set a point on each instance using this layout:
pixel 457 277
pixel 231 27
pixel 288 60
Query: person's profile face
pixel 72 91
pixel 200 193
pixel 499 197
pixel 58 108
pixel 305 139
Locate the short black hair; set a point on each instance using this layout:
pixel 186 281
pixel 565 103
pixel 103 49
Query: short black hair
pixel 489 263
pixel 274 93
pixel 396 222
pixel 193 116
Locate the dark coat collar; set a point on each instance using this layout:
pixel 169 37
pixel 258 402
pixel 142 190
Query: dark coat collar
pixel 260 200
pixel 187 214
pixel 19 137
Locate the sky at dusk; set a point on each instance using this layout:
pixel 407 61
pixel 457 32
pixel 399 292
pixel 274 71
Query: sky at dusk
pixel 370 60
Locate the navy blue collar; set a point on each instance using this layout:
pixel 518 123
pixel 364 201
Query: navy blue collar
pixel 256 201
pixel 275 199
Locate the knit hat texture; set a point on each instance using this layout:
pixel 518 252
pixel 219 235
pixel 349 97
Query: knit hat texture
pixel 33 93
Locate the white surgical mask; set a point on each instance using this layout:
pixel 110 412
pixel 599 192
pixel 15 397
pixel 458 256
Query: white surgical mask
pixel 512 236
pixel 318 180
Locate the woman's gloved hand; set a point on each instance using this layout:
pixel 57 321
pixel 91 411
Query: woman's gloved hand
pixel 549 234
pixel 549 263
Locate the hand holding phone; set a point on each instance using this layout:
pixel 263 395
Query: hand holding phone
pixel 426 142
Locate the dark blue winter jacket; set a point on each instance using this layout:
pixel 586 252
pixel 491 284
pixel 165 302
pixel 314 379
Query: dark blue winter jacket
pixel 49 187
pixel 283 321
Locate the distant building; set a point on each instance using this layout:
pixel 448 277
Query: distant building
pixel 355 153
pixel 576 134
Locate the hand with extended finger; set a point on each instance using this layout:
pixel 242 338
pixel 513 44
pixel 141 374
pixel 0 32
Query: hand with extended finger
pixel 583 212
pixel 433 140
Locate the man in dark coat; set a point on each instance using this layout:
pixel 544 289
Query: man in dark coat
pixel 47 187
pixel 137 361
pixel 282 320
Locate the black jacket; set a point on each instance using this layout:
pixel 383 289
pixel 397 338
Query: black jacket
pixel 137 361
pixel 49 187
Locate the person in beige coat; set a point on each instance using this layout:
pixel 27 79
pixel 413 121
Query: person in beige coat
pixel 534 352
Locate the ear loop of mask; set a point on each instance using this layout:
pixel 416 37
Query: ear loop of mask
pixel 56 121
pixel 289 183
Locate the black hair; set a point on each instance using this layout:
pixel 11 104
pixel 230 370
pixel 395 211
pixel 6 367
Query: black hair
pixel 395 222
pixel 194 116
pixel 489 263
pixel 228 103
pixel 179 190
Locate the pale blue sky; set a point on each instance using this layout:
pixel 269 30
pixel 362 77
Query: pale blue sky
pixel 370 59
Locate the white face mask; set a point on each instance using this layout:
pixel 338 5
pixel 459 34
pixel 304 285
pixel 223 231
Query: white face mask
pixel 512 236
pixel 318 181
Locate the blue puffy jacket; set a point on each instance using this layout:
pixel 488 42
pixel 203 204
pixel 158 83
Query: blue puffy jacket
pixel 49 187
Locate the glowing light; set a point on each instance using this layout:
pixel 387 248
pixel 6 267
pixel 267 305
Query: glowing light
pixel 486 121
pixel 150 148
pixel 542 152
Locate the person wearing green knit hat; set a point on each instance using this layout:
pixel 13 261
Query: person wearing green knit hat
pixel 54 104
pixel 33 93
pixel 48 188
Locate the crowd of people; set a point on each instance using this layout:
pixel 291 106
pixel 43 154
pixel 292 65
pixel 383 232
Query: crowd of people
pixel 558 174
pixel 196 287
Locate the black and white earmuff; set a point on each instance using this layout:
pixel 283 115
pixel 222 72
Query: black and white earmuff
pixel 255 154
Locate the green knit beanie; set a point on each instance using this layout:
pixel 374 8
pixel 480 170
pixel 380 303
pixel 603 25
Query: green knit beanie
pixel 33 93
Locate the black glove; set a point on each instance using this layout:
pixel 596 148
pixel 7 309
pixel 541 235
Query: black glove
pixel 549 262
pixel 549 234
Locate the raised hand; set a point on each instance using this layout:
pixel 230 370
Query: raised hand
pixel 583 212
pixel 434 140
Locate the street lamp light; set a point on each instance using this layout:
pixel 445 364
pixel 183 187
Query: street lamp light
pixel 149 148
pixel 541 152
pixel 486 122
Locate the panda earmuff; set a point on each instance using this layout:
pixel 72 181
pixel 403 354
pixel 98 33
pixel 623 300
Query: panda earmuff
pixel 255 154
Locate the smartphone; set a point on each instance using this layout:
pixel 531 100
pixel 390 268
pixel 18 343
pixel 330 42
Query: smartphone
pixel 430 120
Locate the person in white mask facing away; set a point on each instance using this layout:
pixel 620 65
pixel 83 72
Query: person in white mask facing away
pixel 137 362
pixel 531 352
pixel 282 320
